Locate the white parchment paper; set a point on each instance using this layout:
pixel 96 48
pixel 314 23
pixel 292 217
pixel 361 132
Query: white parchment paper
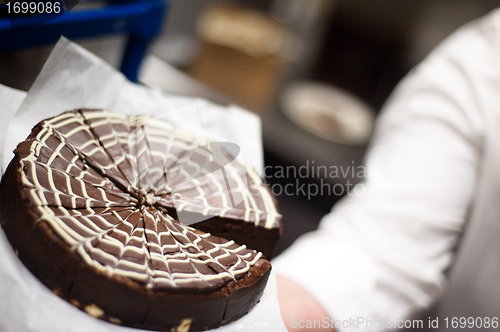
pixel 74 78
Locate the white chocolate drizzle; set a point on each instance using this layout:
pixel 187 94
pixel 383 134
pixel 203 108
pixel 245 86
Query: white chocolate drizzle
pixel 105 183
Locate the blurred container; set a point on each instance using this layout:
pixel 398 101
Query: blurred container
pixel 241 54
pixel 328 112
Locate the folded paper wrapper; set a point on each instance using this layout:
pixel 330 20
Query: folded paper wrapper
pixel 74 78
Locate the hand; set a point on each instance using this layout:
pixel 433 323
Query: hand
pixel 299 309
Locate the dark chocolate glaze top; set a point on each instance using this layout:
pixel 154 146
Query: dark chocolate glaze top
pixel 121 191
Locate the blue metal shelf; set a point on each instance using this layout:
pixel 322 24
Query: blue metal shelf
pixel 141 20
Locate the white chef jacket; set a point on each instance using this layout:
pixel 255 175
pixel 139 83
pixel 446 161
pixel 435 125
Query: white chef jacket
pixel 425 224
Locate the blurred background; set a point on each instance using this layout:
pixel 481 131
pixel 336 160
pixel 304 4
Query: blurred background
pixel 316 71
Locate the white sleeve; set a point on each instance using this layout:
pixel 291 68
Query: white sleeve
pixel 382 253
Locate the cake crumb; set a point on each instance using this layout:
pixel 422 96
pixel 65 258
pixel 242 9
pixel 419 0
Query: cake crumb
pixel 94 310
pixel 115 320
pixel 75 303
pixel 184 325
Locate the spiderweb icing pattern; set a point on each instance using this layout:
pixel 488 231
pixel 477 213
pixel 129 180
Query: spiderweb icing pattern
pixel 112 186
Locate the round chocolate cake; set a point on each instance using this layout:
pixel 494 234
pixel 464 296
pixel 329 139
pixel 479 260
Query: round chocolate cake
pixel 138 222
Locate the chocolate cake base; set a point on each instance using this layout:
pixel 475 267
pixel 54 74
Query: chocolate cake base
pixel 85 226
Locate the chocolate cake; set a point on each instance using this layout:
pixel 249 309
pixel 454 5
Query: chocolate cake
pixel 138 222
